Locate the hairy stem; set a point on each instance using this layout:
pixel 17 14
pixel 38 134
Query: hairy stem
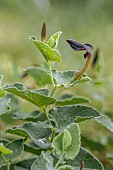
pixel 51 76
pixel 61 157
pixel 46 114
pixel 53 91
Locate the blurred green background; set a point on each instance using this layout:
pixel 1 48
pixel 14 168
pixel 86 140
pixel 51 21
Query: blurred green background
pixel 87 21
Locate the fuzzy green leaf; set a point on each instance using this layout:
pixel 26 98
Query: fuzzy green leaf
pixel 90 161
pixel 2 92
pixel 35 131
pixel 106 121
pixel 25 164
pixel 4 150
pixel 2 163
pixel 65 115
pixel 61 142
pixel 66 167
pixel 33 116
pixel 40 75
pixel 66 78
pixel 42 163
pixel 57 143
pixel 53 41
pixel 17 146
pixel 74 148
pixel 71 101
pixel 34 96
pixel 63 78
pixel 4 141
pixel 67 140
pixel 4 105
pixel 49 53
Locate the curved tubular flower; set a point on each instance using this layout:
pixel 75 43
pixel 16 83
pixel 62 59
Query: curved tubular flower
pixel 77 46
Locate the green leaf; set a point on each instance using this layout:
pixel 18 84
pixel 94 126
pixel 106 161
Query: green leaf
pixel 90 161
pixel 57 143
pixel 35 131
pixel 17 146
pixel 66 142
pixel 65 115
pixel 4 150
pixel 66 167
pixel 66 78
pixel 106 121
pixel 19 168
pixel 62 78
pixel 34 96
pixel 53 41
pixel 74 148
pixel 4 141
pixel 61 142
pixel 14 102
pixel 42 163
pixel 71 101
pixel 84 79
pixel 4 105
pixel 2 92
pixel 2 163
pixel 49 53
pixel 25 164
pixel 31 149
pixel 40 75
pixel 33 116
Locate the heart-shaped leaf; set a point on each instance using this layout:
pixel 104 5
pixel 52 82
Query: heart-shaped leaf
pixel 61 142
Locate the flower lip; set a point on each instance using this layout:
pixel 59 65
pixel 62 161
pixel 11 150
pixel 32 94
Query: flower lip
pixel 77 46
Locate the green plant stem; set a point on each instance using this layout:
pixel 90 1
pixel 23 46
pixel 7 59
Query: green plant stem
pixel 61 157
pixel 51 76
pixel 46 114
pixel 6 162
pixel 53 134
pixel 53 91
